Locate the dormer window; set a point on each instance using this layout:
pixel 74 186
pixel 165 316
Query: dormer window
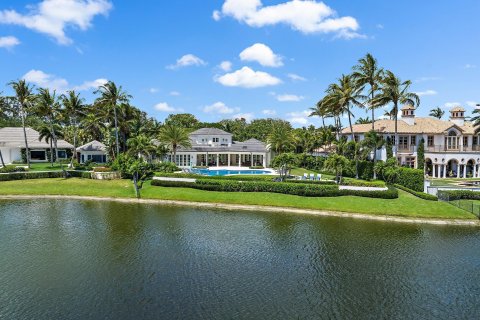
pixel 215 139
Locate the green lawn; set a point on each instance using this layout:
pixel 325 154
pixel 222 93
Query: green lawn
pixel 41 166
pixel 406 205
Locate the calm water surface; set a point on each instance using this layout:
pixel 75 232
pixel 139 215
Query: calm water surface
pixel 90 260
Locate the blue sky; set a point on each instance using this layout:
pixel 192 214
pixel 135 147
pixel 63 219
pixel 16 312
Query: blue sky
pixel 279 56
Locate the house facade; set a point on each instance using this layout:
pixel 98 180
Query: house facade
pixel 12 142
pixel 452 147
pixel 213 147
pixel 94 151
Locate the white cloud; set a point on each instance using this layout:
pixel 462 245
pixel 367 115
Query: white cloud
pixel 87 85
pixel 472 104
pixel 52 17
pixel 225 66
pixel 153 90
pixel 248 78
pixel 174 93
pixel 427 93
pixel 187 61
pixel 301 15
pixel 379 26
pixel 289 98
pixel 296 77
pixel 262 54
pixel 219 107
pixel 425 79
pixel 8 42
pixel 470 66
pixel 45 80
pixel 449 105
pixel 53 82
pixel 216 15
pixel 165 107
pixel 247 116
pixel 300 118
pixel 269 112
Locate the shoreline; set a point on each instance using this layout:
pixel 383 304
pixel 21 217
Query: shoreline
pixel 231 207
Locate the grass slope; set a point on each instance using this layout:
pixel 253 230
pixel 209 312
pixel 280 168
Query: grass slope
pixel 406 205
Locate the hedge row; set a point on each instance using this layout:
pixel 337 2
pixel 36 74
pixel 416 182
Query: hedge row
pixel 449 195
pixel 410 178
pixel 43 175
pixel 306 190
pixel 422 195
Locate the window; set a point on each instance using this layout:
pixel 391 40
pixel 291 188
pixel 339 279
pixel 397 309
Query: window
pixel 38 155
pixel 356 138
pixel 465 141
pixel 430 141
pixel 475 141
pixel 215 139
pixel 392 138
pixel 403 142
pixel 413 140
pixel 410 162
pixel 62 154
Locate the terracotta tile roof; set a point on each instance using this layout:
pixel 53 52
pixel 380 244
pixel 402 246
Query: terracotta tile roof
pixel 421 126
pixel 408 107
pixel 457 109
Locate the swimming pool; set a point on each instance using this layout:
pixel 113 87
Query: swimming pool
pixel 224 172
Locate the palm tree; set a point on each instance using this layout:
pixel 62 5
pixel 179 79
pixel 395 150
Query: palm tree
pixel 111 97
pixel 45 132
pixel 342 97
pixel 336 163
pixel 22 103
pixel 47 107
pixel 73 110
pixel 363 121
pixel 280 139
pixel 396 91
pixel 174 137
pixel 141 146
pixel 373 142
pixel 368 72
pixel 3 108
pixel 437 113
pixel 476 120
pixel 319 111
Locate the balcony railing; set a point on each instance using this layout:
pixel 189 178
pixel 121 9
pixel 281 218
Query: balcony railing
pixel 443 148
pixel 407 149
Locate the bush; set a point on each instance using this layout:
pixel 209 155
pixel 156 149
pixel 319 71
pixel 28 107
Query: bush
pixel 299 189
pixel 167 167
pixel 422 195
pixel 410 178
pixel 450 195
pixel 102 169
pixel 42 175
pixel 10 169
pixel 257 167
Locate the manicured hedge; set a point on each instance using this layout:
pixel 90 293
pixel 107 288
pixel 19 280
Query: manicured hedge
pixel 306 190
pixel 449 195
pixel 42 175
pixel 410 178
pixel 422 195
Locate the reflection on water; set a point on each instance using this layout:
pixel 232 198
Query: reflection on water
pixel 106 260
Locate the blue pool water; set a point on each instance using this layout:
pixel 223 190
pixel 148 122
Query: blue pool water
pixel 224 172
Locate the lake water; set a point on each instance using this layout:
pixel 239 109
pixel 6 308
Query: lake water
pixel 106 260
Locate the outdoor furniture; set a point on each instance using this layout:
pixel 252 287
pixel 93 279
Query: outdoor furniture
pixel 305 176
pixel 312 176
pixel 319 177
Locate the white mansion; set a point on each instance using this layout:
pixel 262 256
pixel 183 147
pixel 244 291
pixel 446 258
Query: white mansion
pixel 452 148
pixel 215 147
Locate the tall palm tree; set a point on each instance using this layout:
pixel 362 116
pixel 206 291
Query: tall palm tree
pixel 174 137
pixel 373 142
pixel 280 139
pixel 141 146
pixel 363 121
pixel 22 104
pixel 342 97
pixel 73 110
pixel 48 107
pixel 3 108
pixel 111 96
pixel 437 113
pixel 396 91
pixel 45 132
pixel 368 72
pixel 319 111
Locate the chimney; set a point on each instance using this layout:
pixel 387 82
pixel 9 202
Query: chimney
pixel 408 114
pixel 457 116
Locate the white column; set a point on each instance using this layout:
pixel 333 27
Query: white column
pixel 458 170
pixel 239 160
pixel 228 157
pixel 474 170
pixel 218 158
pixel 264 161
pixel 444 171
pixel 464 171
pixel 434 171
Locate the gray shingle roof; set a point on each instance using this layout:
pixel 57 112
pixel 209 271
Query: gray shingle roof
pixel 92 146
pixel 13 137
pixel 210 131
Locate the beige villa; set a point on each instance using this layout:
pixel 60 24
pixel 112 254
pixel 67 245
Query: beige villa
pixel 452 148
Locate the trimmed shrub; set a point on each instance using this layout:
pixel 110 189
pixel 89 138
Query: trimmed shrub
pixel 410 178
pixel 299 189
pixel 450 195
pixel 102 169
pixel 168 167
pixel 42 175
pixel 422 195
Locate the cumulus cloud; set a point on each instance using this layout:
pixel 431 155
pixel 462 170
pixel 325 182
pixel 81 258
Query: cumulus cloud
pixel 262 54
pixel 449 105
pixel 306 16
pixel 219 107
pixel 174 93
pixel 53 82
pixel 247 116
pixel 248 78
pixel 300 118
pixel 153 90
pixel 187 61
pixel 269 112
pixel 472 104
pixel 289 98
pixel 427 93
pixel 53 17
pixel 225 66
pixel 8 42
pixel 165 107
pixel 296 77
